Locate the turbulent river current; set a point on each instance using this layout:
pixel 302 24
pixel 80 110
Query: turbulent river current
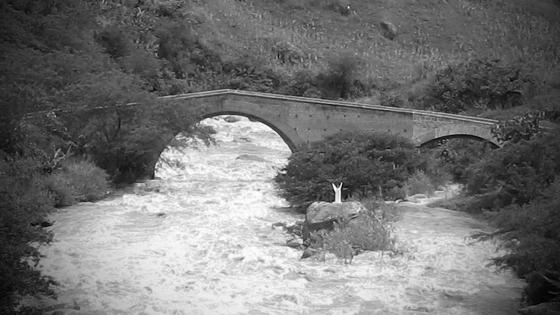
pixel 199 240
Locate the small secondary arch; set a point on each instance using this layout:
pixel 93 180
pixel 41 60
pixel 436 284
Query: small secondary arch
pixel 457 131
pixel 460 136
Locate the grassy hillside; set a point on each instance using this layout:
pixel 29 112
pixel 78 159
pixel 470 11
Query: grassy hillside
pixel 287 37
pixel 431 34
pixel 177 46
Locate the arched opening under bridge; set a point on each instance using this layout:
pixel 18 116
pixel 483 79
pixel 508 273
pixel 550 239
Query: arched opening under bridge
pixel 245 148
pixel 436 141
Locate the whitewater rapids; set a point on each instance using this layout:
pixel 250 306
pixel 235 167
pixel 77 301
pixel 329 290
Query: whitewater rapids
pixel 199 240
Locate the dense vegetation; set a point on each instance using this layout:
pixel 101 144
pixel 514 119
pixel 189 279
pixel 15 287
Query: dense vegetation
pixel 81 55
pixel 516 188
pixel 367 164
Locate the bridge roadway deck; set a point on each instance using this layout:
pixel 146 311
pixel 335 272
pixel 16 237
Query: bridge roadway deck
pixel 300 99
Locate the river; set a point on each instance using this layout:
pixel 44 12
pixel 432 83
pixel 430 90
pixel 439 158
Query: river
pixel 199 240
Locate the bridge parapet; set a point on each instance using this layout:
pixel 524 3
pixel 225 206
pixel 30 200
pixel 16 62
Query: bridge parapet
pixel 417 114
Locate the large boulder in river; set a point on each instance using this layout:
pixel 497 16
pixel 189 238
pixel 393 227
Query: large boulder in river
pixel 323 215
pixel 323 211
pixel 232 119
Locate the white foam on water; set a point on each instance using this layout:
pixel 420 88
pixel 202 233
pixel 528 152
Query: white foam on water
pixel 199 240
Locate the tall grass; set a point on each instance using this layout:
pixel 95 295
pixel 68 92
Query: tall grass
pixel 76 181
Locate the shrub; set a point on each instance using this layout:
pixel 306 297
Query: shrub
pixel 370 234
pixel 522 127
pixel 341 78
pixel 478 84
pixel 518 172
pixel 24 201
pixel 365 163
pixel 391 100
pixel 144 65
pixel 247 73
pixel 185 52
pixel 531 234
pixel 15 101
pixel 370 230
pixel 302 83
pixel 77 180
pixel 170 9
pixel 287 53
pixel 419 183
pixel 115 42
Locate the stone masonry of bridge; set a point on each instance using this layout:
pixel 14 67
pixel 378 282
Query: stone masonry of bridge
pixel 300 121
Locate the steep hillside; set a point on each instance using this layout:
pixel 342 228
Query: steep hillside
pixel 380 46
pixel 430 34
pixel 279 46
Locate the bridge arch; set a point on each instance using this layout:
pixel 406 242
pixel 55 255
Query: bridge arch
pixel 457 131
pixel 460 136
pixel 290 138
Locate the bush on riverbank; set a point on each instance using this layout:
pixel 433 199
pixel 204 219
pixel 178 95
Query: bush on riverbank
pixel 532 233
pixel 28 193
pixel 419 183
pixel 77 180
pixel 519 172
pixel 517 187
pixel 24 203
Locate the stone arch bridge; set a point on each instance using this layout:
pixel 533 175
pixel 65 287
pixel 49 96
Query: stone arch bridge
pixel 300 120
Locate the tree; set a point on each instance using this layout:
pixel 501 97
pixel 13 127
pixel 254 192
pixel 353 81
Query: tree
pixel 522 127
pixel 363 162
pixel 519 172
pixel 340 76
pixel 478 84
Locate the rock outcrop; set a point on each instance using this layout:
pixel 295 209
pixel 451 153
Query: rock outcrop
pixel 343 229
pixel 389 30
pixel 323 211
pixel 323 215
pixel 231 119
